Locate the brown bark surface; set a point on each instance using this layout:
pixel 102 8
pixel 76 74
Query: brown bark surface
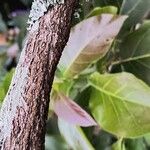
pixel 27 101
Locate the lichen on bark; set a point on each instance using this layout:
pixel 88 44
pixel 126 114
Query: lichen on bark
pixel 24 111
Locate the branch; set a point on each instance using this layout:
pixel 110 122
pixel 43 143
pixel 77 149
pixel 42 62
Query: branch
pixel 24 111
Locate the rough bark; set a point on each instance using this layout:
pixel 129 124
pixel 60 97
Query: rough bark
pixel 24 112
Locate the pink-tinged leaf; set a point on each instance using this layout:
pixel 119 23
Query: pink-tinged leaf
pixel 74 136
pixel 69 111
pixel 89 41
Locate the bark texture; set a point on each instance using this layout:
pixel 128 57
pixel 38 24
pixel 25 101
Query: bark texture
pixel 24 112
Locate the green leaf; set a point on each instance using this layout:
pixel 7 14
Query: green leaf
pixel 2 93
pixel 62 85
pixel 120 104
pixel 146 139
pixel 135 144
pixel 101 10
pixel 7 80
pixel 135 53
pixel 74 136
pixel 119 145
pixel 116 3
pixel 136 10
pixel 55 143
pixel 4 85
pixel 89 41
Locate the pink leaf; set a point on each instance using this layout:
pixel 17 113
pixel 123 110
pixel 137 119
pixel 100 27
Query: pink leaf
pixel 89 41
pixel 69 111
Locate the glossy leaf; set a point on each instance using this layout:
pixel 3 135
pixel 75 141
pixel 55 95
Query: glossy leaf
pixel 69 111
pixel 136 10
pixel 101 10
pixel 120 103
pixel 74 136
pixel 89 41
pixel 135 53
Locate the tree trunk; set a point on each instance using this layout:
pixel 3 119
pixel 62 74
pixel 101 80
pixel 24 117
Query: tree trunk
pixel 24 112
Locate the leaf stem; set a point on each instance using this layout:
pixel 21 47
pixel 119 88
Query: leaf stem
pixel 130 59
